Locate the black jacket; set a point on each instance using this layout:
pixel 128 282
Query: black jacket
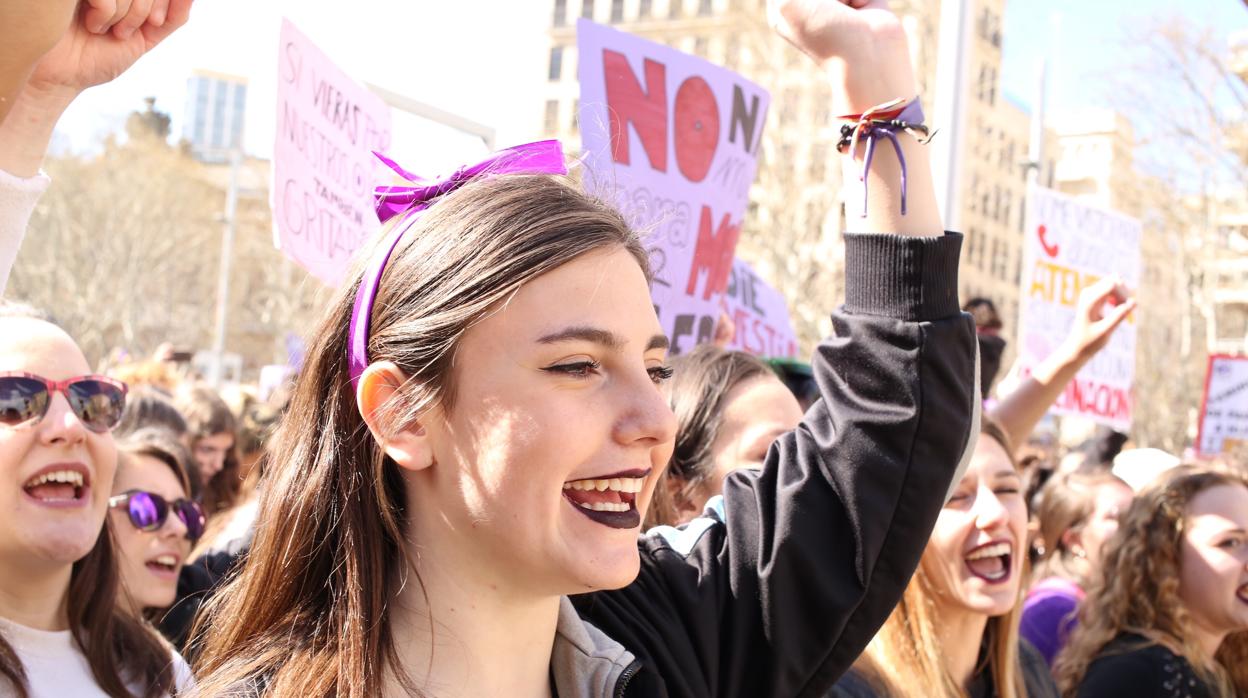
pixel 779 593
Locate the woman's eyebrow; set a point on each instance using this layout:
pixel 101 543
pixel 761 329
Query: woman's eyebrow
pixel 597 335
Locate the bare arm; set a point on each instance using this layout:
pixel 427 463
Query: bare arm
pixel 1100 309
pixel 863 49
pixel 28 29
pixel 90 53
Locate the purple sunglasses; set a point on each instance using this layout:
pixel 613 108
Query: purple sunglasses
pixel 148 511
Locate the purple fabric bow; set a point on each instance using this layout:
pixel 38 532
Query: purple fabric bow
pixel 542 157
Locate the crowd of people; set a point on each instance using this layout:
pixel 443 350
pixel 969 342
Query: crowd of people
pixel 489 478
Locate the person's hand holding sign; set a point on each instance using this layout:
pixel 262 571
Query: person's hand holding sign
pixel 863 49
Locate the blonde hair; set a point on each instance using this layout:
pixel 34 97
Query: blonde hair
pixel 1137 590
pixel 905 658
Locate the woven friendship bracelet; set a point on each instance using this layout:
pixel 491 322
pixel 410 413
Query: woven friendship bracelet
pixel 884 120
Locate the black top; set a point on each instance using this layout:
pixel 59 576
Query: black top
pixel 1036 679
pixel 1132 666
pixel 778 591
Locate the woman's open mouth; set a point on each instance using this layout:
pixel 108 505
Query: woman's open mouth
pixel 164 566
pixel 610 501
pixel 60 486
pixel 991 561
pixel 1242 594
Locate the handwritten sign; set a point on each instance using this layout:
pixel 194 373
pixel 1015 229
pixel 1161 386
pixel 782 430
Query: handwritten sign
pixel 1224 408
pixel 673 141
pixel 1068 246
pixel 323 167
pixel 759 314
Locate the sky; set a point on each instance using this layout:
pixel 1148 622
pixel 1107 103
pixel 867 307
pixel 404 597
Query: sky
pixel 1086 42
pixel 485 59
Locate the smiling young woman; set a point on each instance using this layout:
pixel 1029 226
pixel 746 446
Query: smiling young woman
pixel 62 631
pixel 456 493
pixel 955 632
pixel 1168 612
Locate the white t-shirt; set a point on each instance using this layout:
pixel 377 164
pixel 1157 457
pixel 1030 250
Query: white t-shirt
pixel 56 668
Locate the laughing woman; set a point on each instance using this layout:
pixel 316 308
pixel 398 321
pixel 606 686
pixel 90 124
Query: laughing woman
pixel 62 632
pixel 955 632
pixel 1167 615
pixel 478 428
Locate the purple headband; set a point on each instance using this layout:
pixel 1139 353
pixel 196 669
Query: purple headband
pixel 542 157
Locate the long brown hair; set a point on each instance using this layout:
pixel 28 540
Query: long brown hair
pixel 1137 590
pixel 117 646
pixel 698 393
pixel 307 614
pixel 1065 504
pixel 207 415
pixel 905 658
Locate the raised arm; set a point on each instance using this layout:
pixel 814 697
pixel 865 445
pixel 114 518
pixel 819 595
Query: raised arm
pixel 1101 308
pixel 102 42
pixel 782 583
pixel 28 29
pixel 863 50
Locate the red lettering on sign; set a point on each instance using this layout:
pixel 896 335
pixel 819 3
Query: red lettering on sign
pixel 645 109
pixel 696 128
pixel 713 255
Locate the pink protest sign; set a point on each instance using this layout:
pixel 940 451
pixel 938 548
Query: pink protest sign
pixel 1068 246
pixel 759 314
pixel 323 167
pixel 673 141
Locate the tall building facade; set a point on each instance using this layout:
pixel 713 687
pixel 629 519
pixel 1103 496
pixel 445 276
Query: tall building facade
pixel 216 107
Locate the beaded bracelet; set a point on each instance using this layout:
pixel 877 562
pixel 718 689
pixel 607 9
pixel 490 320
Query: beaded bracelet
pixel 883 119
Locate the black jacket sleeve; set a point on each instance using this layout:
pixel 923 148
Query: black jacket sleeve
pixel 777 592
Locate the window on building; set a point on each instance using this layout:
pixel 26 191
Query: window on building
pixel 732 51
pixel 561 13
pixel 644 9
pixel 699 46
pixel 587 9
pixel 551 123
pixel 617 11
pixel 704 8
pixel 818 162
pixel 674 8
pixel 556 64
pixel 576 115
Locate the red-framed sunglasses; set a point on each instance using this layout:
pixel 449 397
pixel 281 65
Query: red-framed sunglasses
pixel 97 400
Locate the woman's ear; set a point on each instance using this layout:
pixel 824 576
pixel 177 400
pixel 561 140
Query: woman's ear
pixel 409 444
pixel 1072 540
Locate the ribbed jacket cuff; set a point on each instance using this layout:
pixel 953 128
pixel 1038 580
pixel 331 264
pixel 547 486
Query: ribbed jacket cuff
pixel 900 276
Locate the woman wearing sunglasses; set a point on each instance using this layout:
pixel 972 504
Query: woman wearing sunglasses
pixel 154 522
pixel 62 630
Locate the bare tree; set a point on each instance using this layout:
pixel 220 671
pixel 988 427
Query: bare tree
pixel 124 250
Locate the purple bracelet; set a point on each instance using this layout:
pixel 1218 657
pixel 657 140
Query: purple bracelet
pixel 909 120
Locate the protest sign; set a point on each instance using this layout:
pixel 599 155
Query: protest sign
pixel 1069 245
pixel 759 315
pixel 323 167
pixel 1224 407
pixel 672 140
